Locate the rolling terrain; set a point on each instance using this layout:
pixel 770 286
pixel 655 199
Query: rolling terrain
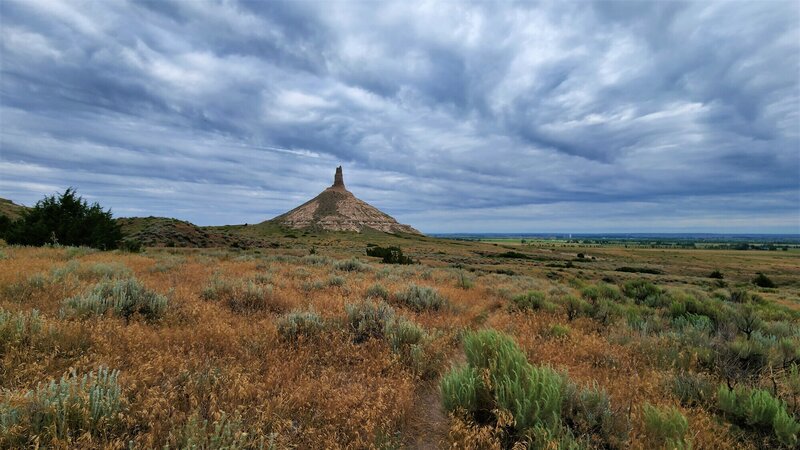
pixel 281 346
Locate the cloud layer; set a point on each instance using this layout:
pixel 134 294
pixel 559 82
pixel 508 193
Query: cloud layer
pixel 452 117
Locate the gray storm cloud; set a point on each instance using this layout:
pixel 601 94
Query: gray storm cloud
pixel 607 116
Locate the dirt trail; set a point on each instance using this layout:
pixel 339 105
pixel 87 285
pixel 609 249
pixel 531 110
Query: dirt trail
pixel 428 424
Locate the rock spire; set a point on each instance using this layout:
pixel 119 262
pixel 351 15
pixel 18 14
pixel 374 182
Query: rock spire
pixel 337 209
pixel 338 179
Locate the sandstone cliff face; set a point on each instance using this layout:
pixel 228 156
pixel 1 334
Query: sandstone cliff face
pixel 337 209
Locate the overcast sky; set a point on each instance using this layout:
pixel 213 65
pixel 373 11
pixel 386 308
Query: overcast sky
pixel 450 116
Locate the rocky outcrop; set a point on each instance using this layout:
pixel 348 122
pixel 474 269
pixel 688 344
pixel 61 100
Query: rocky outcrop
pixel 337 209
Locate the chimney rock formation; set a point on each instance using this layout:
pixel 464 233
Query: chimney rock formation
pixel 337 209
pixel 338 179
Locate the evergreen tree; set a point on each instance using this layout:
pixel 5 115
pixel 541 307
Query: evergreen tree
pixel 66 219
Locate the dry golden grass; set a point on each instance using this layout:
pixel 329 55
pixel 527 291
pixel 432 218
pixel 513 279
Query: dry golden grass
pixel 204 359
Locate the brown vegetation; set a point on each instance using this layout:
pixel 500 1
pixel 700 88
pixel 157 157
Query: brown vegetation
pixel 259 344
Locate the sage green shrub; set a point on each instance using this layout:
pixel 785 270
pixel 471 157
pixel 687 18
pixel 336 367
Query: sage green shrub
pixel 242 296
pixel 368 319
pixel 639 290
pixel 588 412
pixel 758 409
pixel 575 307
pixel 123 298
pixel 665 427
pixel 692 389
pixel 378 291
pixel 421 298
pixel 351 265
pixel 336 280
pixel 532 395
pixel 464 281
pixel 403 334
pixel 532 300
pixel 297 324
pixel 62 409
pixel 19 328
pixel 600 291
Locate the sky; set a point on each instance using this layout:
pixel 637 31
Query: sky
pixel 451 116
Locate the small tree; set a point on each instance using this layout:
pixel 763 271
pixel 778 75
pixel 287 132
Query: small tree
pixel 66 219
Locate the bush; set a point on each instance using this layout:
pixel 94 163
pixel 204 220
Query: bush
pixel 532 395
pixel 533 300
pixel 378 291
pixel 605 312
pixel 65 220
pixel 123 298
pixel 297 324
pixel 63 409
pixel 762 280
pixel 131 245
pixel 351 265
pixel 559 331
pixel 18 328
pixel 758 409
pixel 589 413
pixel 575 307
pixel 665 427
pixel 223 433
pixel 747 319
pixel 461 388
pixel 601 291
pixel 693 322
pixel 368 319
pixel 421 298
pixel 313 285
pixel 691 389
pixel 336 280
pixel 112 270
pixel 464 282
pixel 716 274
pixel 403 334
pixel 741 360
pixel 242 296
pixel 389 255
pixel 740 296
pixel 641 291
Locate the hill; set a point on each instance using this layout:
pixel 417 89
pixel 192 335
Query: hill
pixel 166 232
pixel 10 209
pixel 337 209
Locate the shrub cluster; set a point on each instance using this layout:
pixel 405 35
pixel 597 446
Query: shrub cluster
pixel 63 409
pixel 533 395
pixel 692 389
pixel 532 300
pixel 545 408
pixel 124 298
pixel 758 409
pixel 666 427
pixel 764 281
pixel 406 339
pixel 19 329
pixel 464 281
pixel 368 319
pixel 242 296
pixel 588 413
pixel 421 298
pixel 351 265
pixel 300 324
pixel 389 255
pixel 377 291
pixel 225 432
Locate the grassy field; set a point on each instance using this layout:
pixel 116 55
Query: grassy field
pixel 311 344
